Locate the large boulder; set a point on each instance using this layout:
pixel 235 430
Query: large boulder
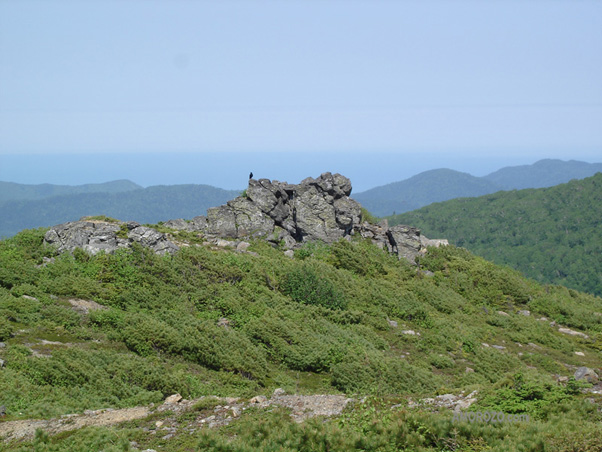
pixel 153 239
pixel 197 224
pixel 271 198
pixel 315 215
pixel 405 241
pixel 250 221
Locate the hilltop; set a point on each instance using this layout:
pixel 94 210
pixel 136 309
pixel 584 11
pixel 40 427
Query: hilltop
pixel 542 174
pixel 401 343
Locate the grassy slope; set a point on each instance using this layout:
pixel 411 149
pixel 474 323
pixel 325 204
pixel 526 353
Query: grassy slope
pixel 551 235
pixel 317 323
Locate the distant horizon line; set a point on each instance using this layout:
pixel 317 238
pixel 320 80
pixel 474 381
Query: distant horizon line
pixel 143 186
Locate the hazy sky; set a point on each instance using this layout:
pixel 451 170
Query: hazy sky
pixel 474 85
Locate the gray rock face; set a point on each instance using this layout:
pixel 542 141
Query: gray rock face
pixel 197 224
pixel 405 241
pixel 150 238
pixel 315 209
pixel 96 236
pixel 587 374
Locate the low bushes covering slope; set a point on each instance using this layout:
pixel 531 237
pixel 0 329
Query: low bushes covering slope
pixel 87 332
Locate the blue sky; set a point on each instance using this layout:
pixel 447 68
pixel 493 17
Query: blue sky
pixel 211 88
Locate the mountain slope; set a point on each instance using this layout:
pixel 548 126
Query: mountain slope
pixel 84 332
pixel 549 234
pixel 148 205
pixel 422 189
pixel 10 191
pixel 544 173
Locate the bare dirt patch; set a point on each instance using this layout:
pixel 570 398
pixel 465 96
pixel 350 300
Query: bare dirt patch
pixel 227 410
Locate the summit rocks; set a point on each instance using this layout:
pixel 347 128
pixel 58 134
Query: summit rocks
pixel 314 210
pixel 285 214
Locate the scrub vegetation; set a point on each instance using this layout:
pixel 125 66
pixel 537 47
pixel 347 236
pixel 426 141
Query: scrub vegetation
pixel 343 318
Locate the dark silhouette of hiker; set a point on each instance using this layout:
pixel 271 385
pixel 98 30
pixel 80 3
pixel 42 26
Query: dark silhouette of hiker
pixel 251 175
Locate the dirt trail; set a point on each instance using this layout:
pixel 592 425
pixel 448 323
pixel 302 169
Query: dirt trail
pixel 25 429
pixel 302 407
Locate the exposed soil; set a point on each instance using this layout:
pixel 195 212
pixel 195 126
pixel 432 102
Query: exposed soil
pixel 227 410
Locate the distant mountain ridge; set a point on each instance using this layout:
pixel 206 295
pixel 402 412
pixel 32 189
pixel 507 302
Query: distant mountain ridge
pixel 11 191
pixel 28 206
pixel 544 173
pixel 144 205
pixel 445 184
pixel 423 189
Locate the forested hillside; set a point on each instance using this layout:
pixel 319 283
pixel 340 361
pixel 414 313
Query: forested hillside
pixel 148 205
pixel 82 332
pixel 552 234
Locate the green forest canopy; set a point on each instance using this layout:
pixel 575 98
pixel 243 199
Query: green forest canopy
pixel 552 235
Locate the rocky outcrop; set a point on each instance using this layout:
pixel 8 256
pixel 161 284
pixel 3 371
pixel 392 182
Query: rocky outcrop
pixel 285 214
pixel 316 209
pixel 456 403
pixel 95 236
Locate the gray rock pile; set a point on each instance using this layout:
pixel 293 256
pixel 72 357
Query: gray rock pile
pixel 95 236
pixel 284 214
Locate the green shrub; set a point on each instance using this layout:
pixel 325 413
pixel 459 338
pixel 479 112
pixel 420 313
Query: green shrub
pixel 377 374
pixel 360 258
pixel 60 315
pixel 200 342
pixel 305 285
pixel 441 361
pixel 6 329
pixel 520 393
